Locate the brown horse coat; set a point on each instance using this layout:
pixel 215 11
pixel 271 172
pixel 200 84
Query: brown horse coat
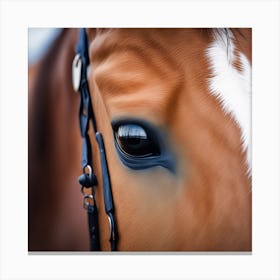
pixel 160 76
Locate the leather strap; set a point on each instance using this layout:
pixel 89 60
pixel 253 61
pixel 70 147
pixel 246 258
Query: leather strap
pixel 88 178
pixel 107 193
pixel 93 227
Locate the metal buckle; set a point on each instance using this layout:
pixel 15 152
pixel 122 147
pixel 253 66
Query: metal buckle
pixel 112 231
pixel 87 198
pixel 76 72
pixel 88 167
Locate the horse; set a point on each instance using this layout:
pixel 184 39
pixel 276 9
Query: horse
pixel 173 106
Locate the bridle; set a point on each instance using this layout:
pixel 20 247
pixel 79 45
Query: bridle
pixel 88 179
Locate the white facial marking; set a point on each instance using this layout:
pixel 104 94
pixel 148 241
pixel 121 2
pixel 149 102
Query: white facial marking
pixel 232 87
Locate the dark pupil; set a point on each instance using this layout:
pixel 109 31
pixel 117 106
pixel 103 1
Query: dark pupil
pixel 133 140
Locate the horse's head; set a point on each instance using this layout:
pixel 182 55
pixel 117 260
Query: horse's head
pixel 173 106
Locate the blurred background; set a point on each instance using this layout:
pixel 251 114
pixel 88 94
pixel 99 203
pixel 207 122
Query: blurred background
pixel 56 218
pixel 39 39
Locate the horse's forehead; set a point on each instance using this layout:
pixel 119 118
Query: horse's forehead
pixel 178 42
pixel 139 67
pixel 128 58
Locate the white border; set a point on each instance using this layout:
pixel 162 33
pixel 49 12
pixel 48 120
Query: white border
pixel 17 16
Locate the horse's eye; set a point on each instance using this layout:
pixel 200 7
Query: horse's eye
pixel 133 140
